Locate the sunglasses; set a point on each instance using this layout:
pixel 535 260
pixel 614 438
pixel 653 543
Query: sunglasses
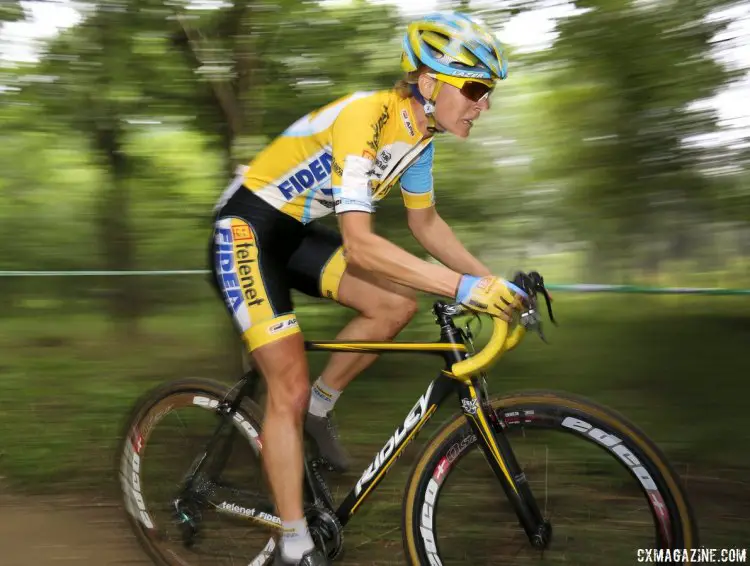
pixel 475 90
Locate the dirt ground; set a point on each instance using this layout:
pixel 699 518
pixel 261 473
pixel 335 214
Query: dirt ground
pixel 74 530
pixel 71 530
pixel 37 531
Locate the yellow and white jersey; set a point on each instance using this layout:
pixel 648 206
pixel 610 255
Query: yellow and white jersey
pixel 344 156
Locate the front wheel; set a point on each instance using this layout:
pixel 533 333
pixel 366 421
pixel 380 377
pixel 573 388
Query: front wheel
pixel 606 489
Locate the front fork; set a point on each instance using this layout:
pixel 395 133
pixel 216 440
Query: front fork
pixel 497 450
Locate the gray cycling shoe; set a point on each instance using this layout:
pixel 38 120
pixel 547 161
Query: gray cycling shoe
pixel 312 558
pixel 323 431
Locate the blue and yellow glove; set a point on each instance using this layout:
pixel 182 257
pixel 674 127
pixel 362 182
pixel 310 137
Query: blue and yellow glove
pixel 492 295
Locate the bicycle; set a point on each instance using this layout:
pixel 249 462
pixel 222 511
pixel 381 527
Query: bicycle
pixel 496 426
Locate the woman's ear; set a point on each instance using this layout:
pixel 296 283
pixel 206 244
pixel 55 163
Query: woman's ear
pixel 426 85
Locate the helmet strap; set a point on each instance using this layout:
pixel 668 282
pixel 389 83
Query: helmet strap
pixel 429 106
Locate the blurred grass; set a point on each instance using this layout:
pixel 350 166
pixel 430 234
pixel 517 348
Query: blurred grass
pixel 675 365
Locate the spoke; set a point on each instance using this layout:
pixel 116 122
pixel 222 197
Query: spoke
pixel 546 478
pixel 379 537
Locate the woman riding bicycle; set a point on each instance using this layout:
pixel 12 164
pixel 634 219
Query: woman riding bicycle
pixel 342 158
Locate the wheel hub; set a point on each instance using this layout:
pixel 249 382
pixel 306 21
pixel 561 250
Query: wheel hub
pixel 187 516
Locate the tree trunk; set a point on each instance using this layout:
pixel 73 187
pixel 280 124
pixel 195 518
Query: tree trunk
pixel 228 104
pixel 116 237
pixel 595 263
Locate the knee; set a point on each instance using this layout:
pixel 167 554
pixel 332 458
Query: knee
pixel 291 399
pixel 395 310
pixel 288 392
pixel 408 308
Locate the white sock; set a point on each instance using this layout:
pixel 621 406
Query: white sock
pixel 295 540
pixel 322 398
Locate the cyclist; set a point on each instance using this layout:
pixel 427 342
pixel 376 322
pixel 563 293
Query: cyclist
pixel 342 159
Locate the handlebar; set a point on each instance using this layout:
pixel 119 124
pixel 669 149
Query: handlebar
pixel 503 337
pixel 492 351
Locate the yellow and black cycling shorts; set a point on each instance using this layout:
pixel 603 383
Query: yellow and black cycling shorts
pixel 258 255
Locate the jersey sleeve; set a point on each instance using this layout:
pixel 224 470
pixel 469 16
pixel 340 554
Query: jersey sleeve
pixel 355 140
pixel 416 181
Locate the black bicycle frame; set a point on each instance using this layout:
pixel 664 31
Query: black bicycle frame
pixel 484 424
pixel 479 414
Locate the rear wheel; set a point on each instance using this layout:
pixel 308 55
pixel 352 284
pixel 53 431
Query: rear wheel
pixel 606 489
pixel 225 515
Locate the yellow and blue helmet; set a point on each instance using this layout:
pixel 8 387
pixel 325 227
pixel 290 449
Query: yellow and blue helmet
pixel 453 44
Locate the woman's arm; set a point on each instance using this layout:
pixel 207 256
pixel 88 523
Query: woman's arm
pixel 374 253
pixel 435 236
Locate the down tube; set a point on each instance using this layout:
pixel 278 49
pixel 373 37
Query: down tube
pixel 422 411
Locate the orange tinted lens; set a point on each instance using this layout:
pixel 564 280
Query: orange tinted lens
pixel 474 90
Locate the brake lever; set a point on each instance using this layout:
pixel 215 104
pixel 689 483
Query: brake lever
pixel 531 320
pixel 549 305
pixel 538 283
pixel 533 284
pixel 541 333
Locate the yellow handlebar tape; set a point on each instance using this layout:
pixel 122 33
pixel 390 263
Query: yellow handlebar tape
pixel 500 342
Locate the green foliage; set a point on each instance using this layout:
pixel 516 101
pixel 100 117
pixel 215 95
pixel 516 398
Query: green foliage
pixel 621 80
pixel 124 134
pixel 11 10
pixel 667 363
pixel 115 146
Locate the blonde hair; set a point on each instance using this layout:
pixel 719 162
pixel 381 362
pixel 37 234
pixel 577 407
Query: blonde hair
pixel 403 86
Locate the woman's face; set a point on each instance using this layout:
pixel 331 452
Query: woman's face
pixel 454 112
